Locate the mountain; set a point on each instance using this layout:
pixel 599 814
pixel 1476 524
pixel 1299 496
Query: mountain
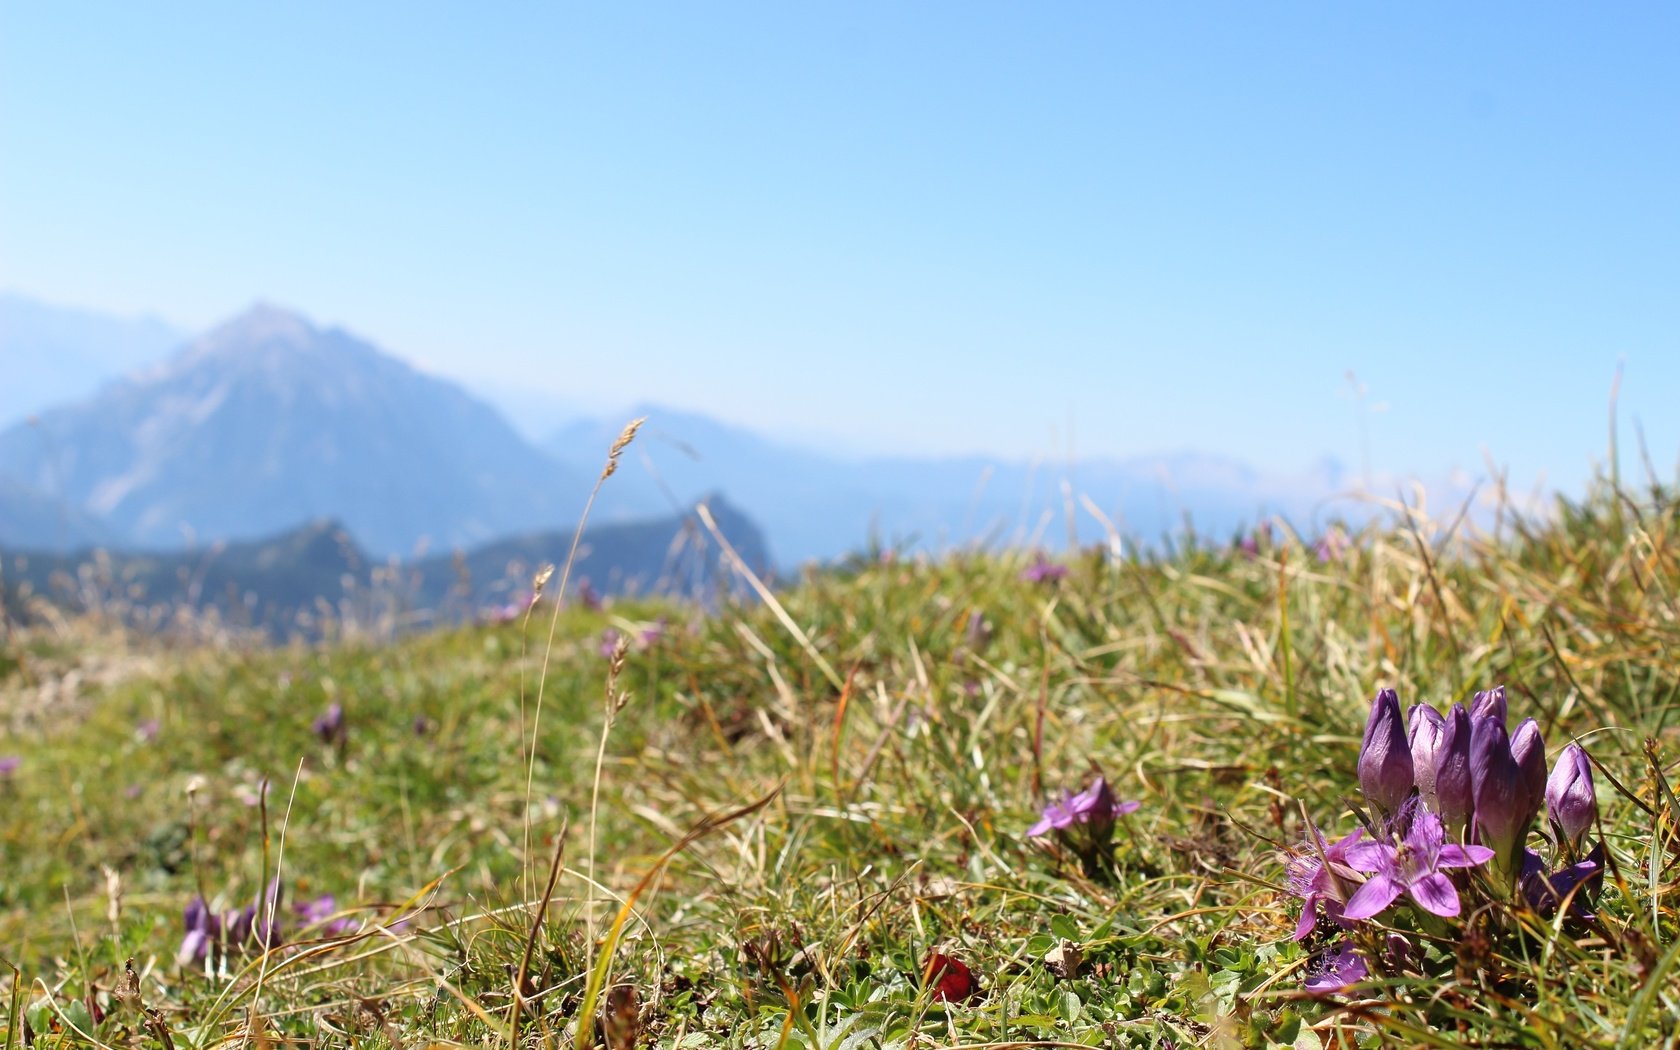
pixel 267 421
pixel 52 354
pixel 819 506
pixel 297 580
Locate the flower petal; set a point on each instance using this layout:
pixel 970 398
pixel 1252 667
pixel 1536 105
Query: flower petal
pixel 1309 919
pixel 1435 893
pixel 1371 856
pixel 1370 899
pixel 1463 856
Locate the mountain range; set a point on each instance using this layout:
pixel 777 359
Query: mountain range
pixel 268 421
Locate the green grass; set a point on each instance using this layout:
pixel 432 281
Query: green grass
pixel 1227 693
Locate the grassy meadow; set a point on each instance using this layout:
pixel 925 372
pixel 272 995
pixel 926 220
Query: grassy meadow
pixel 803 822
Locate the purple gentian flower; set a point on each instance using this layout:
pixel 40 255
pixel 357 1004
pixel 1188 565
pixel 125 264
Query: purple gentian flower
pixel 147 730
pixel 10 764
pixel 1385 759
pixel 202 931
pixel 587 595
pixel 1341 968
pixel 1314 876
pixel 1490 702
pixel 1504 808
pixel 1413 867
pixel 1528 748
pixel 1571 800
pixel 1043 570
pixel 1455 797
pixel 330 725
pixel 609 642
pixel 1546 891
pixel 1331 546
pixel 320 910
pixel 265 916
pixel 1424 726
pixel 1095 805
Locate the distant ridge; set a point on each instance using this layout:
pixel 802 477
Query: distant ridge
pixel 297 581
pixel 268 420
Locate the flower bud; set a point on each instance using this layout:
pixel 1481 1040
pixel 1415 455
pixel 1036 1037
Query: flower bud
pixel 1490 702
pixel 1454 794
pixel 1423 732
pixel 1529 750
pixel 1385 759
pixel 1501 793
pixel 1571 800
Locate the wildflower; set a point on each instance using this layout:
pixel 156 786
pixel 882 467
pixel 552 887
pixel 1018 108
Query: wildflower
pixel 1545 891
pixel 1385 760
pixel 1413 867
pixel 1571 801
pixel 1490 702
pixel 1043 570
pixel 330 725
pixel 1331 546
pixel 202 930
pixel 588 596
pixel 147 730
pixel 1529 751
pixel 1424 726
pixel 1317 876
pixel 319 910
pixel 1340 969
pixel 1095 805
pixel 10 764
pixel 1084 824
pixel 653 633
pixel 1503 808
pixel 609 642
pixel 1452 783
pixel 1250 544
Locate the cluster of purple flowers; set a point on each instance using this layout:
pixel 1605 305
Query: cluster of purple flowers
pixel 1449 791
pixel 1084 825
pixel 1043 570
pixel 211 937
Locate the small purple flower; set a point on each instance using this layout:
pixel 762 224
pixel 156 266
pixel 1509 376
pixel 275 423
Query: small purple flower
pixel 609 642
pixel 10 764
pixel 1504 808
pixel 652 634
pixel 1490 702
pixel 1454 788
pixel 1043 570
pixel 1341 968
pixel 1424 726
pixel 320 910
pixel 422 725
pixel 147 731
pixel 1095 805
pixel 1413 867
pixel 1331 546
pixel 264 916
pixel 1385 759
pixel 202 929
pixel 1545 891
pixel 1317 874
pixel 1251 543
pixel 1571 800
pixel 1528 748
pixel 330 725
pixel 588 596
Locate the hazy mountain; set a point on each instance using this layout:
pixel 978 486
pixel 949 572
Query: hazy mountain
pixel 52 354
pixel 814 505
pixel 267 421
pixel 29 518
pixel 295 581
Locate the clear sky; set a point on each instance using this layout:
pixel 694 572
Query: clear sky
pixel 912 226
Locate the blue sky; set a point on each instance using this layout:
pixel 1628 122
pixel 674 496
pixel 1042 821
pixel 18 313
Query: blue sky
pixel 920 227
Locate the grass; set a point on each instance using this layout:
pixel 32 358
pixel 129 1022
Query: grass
pixel 788 807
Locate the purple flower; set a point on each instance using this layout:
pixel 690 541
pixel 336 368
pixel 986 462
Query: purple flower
pixel 1385 759
pixel 1043 570
pixel 330 725
pixel 587 595
pixel 321 909
pixel 10 764
pixel 1331 546
pixel 1490 702
pixel 1413 867
pixel 1529 751
pixel 147 731
pixel 1317 875
pixel 1095 805
pixel 265 916
pixel 1250 544
pixel 202 930
pixel 1455 798
pixel 1571 800
pixel 652 634
pixel 1424 726
pixel 1546 891
pixel 609 642
pixel 1341 968
pixel 1504 808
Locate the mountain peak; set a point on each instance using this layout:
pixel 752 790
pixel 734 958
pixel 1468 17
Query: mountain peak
pixel 264 322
